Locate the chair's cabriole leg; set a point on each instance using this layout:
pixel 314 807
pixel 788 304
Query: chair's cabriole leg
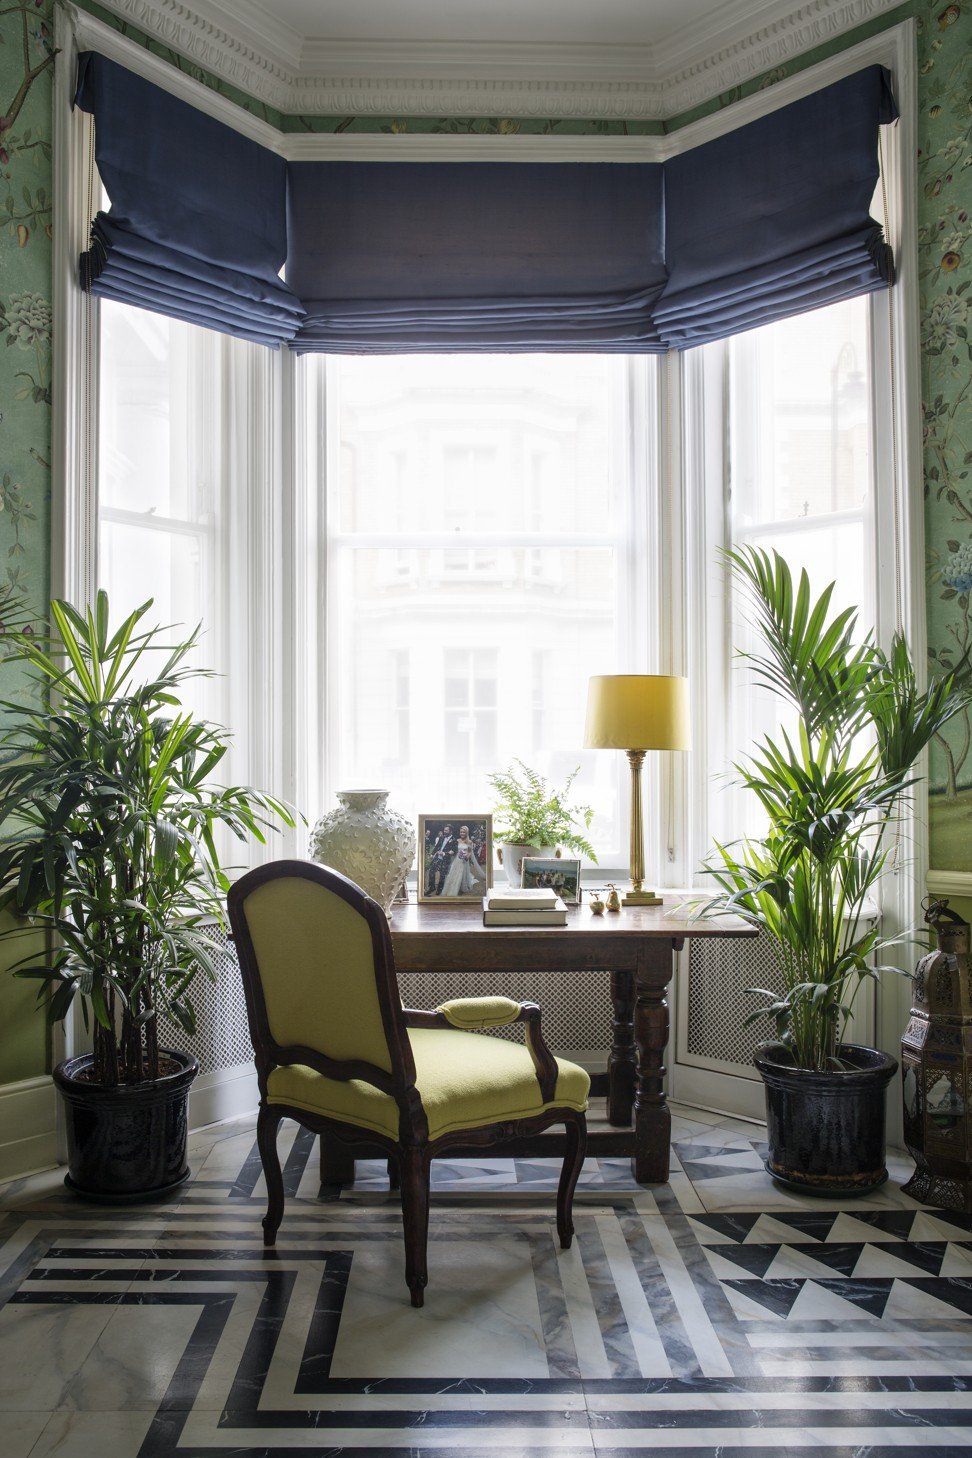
pixel 415 1165
pixel 576 1128
pixel 267 1123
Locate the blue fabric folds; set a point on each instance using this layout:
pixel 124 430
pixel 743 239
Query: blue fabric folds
pixel 768 220
pixel 197 226
pixel 412 256
pixel 773 218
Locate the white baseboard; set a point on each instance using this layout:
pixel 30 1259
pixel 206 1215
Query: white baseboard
pixel 28 1120
pixel 223 1095
pixel 29 1115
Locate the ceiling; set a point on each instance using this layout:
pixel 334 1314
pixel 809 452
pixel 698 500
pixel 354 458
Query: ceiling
pixel 545 58
pixel 533 22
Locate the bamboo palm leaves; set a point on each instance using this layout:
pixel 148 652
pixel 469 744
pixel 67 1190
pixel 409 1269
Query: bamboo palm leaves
pixel 108 813
pixel 830 791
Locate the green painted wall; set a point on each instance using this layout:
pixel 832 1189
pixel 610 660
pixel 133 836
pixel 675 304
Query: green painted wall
pixel 945 205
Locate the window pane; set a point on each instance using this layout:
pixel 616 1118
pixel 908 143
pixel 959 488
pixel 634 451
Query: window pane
pixel 165 520
pixel 800 430
pixel 800 474
pixel 144 457
pixel 462 443
pixel 499 638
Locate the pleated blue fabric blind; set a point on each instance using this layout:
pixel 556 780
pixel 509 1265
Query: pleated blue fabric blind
pixel 404 256
pixel 768 220
pixel 773 219
pixel 197 227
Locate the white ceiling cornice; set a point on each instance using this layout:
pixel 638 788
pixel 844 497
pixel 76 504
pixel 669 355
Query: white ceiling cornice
pixel 244 45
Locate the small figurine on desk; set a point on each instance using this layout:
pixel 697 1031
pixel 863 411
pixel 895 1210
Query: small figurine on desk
pixel 614 900
pixel 595 903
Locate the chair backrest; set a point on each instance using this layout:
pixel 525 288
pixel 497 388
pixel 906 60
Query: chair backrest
pixel 319 975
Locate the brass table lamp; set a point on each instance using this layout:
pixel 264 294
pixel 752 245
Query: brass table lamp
pixel 637 712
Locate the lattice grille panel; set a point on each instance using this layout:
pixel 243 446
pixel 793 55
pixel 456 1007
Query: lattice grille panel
pixel 719 972
pixel 576 1008
pixel 222 1038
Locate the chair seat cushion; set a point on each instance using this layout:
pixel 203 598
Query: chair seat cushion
pixel 465 1080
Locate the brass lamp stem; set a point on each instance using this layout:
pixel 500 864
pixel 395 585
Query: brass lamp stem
pixel 637 896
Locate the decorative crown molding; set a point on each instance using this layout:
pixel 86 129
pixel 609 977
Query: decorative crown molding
pixel 248 48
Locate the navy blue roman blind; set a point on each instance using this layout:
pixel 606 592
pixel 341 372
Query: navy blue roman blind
pixel 768 220
pixel 773 219
pixel 197 227
pixel 409 256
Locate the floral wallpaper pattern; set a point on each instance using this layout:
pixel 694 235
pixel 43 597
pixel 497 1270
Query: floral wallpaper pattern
pixel 945 278
pixel 26 64
pixel 26 61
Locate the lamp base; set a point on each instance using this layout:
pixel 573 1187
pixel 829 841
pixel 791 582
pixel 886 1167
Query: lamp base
pixel 640 898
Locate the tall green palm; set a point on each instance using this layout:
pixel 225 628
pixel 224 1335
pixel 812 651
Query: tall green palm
pixel 107 821
pixel 830 791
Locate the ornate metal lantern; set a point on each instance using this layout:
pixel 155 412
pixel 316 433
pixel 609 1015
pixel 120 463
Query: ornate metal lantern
pixel 936 1062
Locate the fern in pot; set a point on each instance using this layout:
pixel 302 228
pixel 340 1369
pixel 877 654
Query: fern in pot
pixel 831 791
pixel 108 817
pixel 532 819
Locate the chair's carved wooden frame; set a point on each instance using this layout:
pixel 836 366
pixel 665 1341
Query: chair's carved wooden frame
pixel 410 1156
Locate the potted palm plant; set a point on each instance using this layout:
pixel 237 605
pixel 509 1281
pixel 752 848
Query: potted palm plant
pixel 108 814
pixel 535 820
pixel 831 789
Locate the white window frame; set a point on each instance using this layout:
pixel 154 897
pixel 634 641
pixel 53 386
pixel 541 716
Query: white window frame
pixel 290 627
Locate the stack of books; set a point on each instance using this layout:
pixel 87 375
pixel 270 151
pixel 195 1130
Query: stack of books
pixel 523 906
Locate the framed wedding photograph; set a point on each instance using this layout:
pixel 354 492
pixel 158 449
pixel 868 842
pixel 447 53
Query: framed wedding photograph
pixel 455 857
pixel 555 874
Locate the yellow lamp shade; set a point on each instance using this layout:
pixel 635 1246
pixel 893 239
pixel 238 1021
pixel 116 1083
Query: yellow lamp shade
pixel 638 711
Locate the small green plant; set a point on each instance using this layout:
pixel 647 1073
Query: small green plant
pixel 532 814
pixel 107 819
pixel 831 793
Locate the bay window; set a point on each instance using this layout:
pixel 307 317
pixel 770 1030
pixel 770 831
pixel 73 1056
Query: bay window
pixel 479 535
pixel 409 564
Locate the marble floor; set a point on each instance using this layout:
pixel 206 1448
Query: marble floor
pixel 718 1314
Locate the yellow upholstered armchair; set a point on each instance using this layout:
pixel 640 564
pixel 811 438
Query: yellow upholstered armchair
pixel 336 1051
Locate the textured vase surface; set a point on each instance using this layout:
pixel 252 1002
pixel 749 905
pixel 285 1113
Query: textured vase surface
pixel 367 842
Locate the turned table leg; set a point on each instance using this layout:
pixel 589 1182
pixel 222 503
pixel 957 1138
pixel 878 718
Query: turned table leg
pixel 621 1060
pixel 337 1162
pixel 652 1117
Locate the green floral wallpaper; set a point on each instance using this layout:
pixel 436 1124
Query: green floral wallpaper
pixel 945 204
pixel 26 62
pixel 945 272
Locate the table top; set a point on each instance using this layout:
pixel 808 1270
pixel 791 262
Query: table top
pixel 666 922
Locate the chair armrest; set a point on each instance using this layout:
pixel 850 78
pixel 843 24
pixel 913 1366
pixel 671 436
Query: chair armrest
pixel 469 1013
pixel 420 1017
pixel 481 1012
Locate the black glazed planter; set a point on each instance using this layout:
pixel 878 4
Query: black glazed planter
pixel 826 1130
pixel 126 1143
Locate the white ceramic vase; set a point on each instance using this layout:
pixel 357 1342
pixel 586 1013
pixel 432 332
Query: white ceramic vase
pixel 367 842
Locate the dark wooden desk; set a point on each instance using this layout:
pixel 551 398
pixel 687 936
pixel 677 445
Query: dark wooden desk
pixel 635 946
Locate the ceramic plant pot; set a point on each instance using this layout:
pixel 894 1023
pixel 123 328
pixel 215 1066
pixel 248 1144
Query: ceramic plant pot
pixel 126 1143
pixel 826 1130
pixel 367 842
pixel 513 856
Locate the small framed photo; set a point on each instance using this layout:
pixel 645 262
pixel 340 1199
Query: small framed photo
pixel 455 857
pixel 554 873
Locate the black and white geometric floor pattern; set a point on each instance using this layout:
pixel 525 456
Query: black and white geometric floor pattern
pixel 716 1315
